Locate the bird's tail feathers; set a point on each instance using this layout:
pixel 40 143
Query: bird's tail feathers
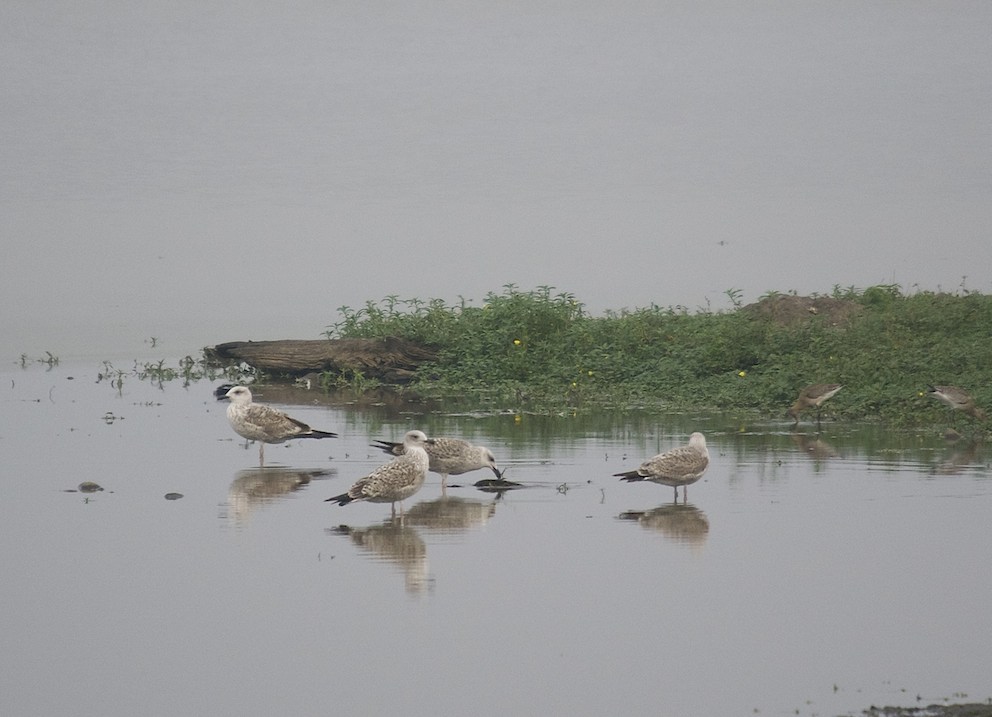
pixel 631 476
pixel 320 434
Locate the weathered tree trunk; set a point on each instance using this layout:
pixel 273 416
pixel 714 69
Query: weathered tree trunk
pixel 390 359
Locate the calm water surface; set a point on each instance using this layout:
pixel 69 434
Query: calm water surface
pixel 810 575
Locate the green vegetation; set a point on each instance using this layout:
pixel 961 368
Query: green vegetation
pixel 190 370
pixel 543 349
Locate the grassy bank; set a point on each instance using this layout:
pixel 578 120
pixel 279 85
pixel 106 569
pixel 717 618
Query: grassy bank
pixel 542 347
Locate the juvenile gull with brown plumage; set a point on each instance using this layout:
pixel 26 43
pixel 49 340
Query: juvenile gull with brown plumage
pixel 449 456
pixel 680 466
pixel 395 481
pixel 258 422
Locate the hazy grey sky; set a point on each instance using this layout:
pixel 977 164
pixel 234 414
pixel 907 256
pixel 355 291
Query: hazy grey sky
pixel 203 172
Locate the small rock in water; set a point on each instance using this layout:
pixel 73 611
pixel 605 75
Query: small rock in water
pixel 89 487
pixel 173 496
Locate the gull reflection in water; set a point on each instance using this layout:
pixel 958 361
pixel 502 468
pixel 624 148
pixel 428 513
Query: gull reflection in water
pixel 450 514
pixel 254 487
pixel 683 523
pixel 395 543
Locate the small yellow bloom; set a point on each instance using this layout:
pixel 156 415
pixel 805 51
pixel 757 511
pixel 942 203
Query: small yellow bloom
pixel 516 342
pixel 590 373
pixel 742 374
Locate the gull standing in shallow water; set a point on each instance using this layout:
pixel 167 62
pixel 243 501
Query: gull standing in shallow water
pixel 958 399
pixel 395 481
pixel 449 456
pixel 258 422
pixel 812 396
pixel 680 466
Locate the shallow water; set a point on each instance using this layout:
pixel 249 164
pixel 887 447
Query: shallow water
pixel 810 575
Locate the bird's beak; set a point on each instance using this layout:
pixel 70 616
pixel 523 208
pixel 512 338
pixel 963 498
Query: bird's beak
pixel 499 474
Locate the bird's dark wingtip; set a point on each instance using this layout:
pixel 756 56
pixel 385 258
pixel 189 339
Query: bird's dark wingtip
pixel 630 477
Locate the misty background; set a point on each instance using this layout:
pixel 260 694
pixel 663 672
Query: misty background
pixel 205 172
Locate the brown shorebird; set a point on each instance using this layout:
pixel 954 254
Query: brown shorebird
pixel 812 396
pixel 958 399
pixel 680 466
pixel 395 481
pixel 258 422
pixel 449 456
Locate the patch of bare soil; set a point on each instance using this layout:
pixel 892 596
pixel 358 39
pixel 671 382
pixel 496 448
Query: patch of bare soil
pixel 788 310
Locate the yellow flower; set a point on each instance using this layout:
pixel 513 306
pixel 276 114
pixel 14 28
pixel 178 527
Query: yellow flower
pixel 516 342
pixel 574 384
pixel 589 372
pixel 742 374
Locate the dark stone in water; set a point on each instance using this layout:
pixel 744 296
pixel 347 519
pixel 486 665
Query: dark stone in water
pixel 173 496
pixel 89 487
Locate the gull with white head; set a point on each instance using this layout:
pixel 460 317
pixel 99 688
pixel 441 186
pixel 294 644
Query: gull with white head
pixel 449 456
pixel 680 466
pixel 258 422
pixel 395 481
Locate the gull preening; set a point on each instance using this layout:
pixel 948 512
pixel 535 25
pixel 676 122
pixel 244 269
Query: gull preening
pixel 449 456
pixel 395 481
pixel 258 422
pixel 958 399
pixel 680 466
pixel 812 396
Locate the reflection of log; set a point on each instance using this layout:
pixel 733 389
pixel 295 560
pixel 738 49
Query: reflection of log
pixel 390 359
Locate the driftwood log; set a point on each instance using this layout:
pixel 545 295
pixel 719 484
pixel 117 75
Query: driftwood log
pixel 392 360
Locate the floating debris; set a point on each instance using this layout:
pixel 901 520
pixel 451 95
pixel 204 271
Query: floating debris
pixel 89 487
pixel 173 496
pixel 496 485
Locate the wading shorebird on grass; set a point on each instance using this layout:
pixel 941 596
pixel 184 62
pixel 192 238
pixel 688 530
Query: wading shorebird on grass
pixel 812 396
pixel 680 466
pixel 958 399
pixel 258 422
pixel 449 456
pixel 395 481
